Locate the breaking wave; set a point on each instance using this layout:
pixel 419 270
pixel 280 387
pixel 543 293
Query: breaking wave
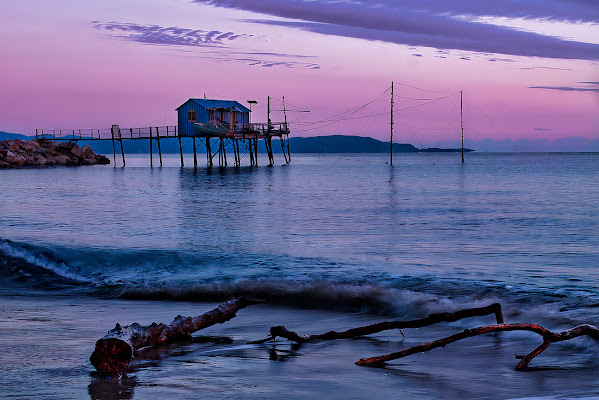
pixel 181 277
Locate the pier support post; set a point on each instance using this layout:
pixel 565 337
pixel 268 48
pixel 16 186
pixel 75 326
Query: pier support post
pixel 113 152
pixel 195 155
pixel 251 152
pixel 122 151
pixel 181 150
pixel 268 144
pixel 223 146
pixel 283 149
pixel 151 158
pixel 158 141
pixel 256 151
pixel 208 151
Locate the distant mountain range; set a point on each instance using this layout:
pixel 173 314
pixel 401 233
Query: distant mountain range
pixel 317 144
pixel 360 144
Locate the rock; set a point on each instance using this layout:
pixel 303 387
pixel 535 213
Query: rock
pixel 76 151
pixel 15 145
pixel 87 151
pixel 62 159
pixel 50 147
pixel 29 159
pixel 18 153
pixel 100 159
pixel 40 160
pixel 90 160
pixel 14 159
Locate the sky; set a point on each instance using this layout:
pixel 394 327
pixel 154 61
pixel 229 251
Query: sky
pixel 528 69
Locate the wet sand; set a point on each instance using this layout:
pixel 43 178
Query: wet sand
pixel 47 340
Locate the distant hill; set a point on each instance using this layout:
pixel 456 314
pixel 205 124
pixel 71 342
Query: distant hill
pixel 317 144
pixel 6 135
pixel 345 144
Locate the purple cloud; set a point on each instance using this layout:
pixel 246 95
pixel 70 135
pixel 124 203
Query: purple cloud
pixel 433 23
pixel 217 40
pixel 154 34
pixel 566 88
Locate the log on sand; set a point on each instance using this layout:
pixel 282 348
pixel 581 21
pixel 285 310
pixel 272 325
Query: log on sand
pixel 114 352
pixel 281 331
pixel 548 338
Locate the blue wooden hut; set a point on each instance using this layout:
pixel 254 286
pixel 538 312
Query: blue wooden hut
pixel 196 116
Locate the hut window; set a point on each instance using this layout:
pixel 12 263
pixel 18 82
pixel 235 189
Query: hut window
pixel 192 116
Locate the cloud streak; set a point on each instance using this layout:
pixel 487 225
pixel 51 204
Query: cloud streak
pixel 215 41
pixel 432 23
pixel 567 88
pixel 154 34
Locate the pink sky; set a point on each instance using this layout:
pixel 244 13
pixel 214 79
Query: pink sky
pixel 69 64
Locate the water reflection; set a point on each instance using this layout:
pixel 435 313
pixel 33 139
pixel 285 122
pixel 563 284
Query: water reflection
pixel 102 388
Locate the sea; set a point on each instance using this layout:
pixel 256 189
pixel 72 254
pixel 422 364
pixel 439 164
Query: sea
pixel 330 242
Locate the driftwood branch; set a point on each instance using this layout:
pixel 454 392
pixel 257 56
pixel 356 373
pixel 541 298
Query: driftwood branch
pixel 114 352
pixel 548 338
pixel 281 331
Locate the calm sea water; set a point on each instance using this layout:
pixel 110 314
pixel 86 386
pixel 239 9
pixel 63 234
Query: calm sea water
pixel 329 241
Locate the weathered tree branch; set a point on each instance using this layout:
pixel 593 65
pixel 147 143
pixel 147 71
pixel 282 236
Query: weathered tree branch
pixel 114 352
pixel 548 338
pixel 281 331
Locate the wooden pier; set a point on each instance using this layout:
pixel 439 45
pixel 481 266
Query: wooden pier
pixel 225 125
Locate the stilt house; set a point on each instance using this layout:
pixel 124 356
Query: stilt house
pixel 195 113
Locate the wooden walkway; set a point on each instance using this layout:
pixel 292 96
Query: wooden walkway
pixel 215 144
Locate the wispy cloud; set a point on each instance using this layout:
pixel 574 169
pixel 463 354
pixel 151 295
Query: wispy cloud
pixel 567 88
pixel 216 45
pixel 433 23
pixel 155 34
pixel 552 68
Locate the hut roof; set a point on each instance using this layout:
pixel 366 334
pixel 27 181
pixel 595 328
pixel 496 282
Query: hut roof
pixel 226 104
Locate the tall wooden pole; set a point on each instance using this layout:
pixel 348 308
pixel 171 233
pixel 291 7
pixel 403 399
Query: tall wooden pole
pixel 462 122
pixel 158 141
pixel 180 149
pixel 391 140
pixel 195 155
pixel 151 158
pixel 122 151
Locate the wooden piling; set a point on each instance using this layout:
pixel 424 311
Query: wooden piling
pixel 122 151
pixel 256 150
pixel 181 150
pixel 209 151
pixel 113 151
pixel 195 155
pixel 251 152
pixel 113 146
pixel 158 141
pixel 283 149
pixel 151 158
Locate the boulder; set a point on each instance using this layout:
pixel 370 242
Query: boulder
pixel 76 151
pixel 14 159
pixel 50 147
pixel 29 159
pixel 100 159
pixel 40 160
pixel 87 151
pixel 62 159
pixel 15 145
pixel 18 153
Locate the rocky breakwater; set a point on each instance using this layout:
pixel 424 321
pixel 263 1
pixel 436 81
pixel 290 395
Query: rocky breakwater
pixel 21 153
